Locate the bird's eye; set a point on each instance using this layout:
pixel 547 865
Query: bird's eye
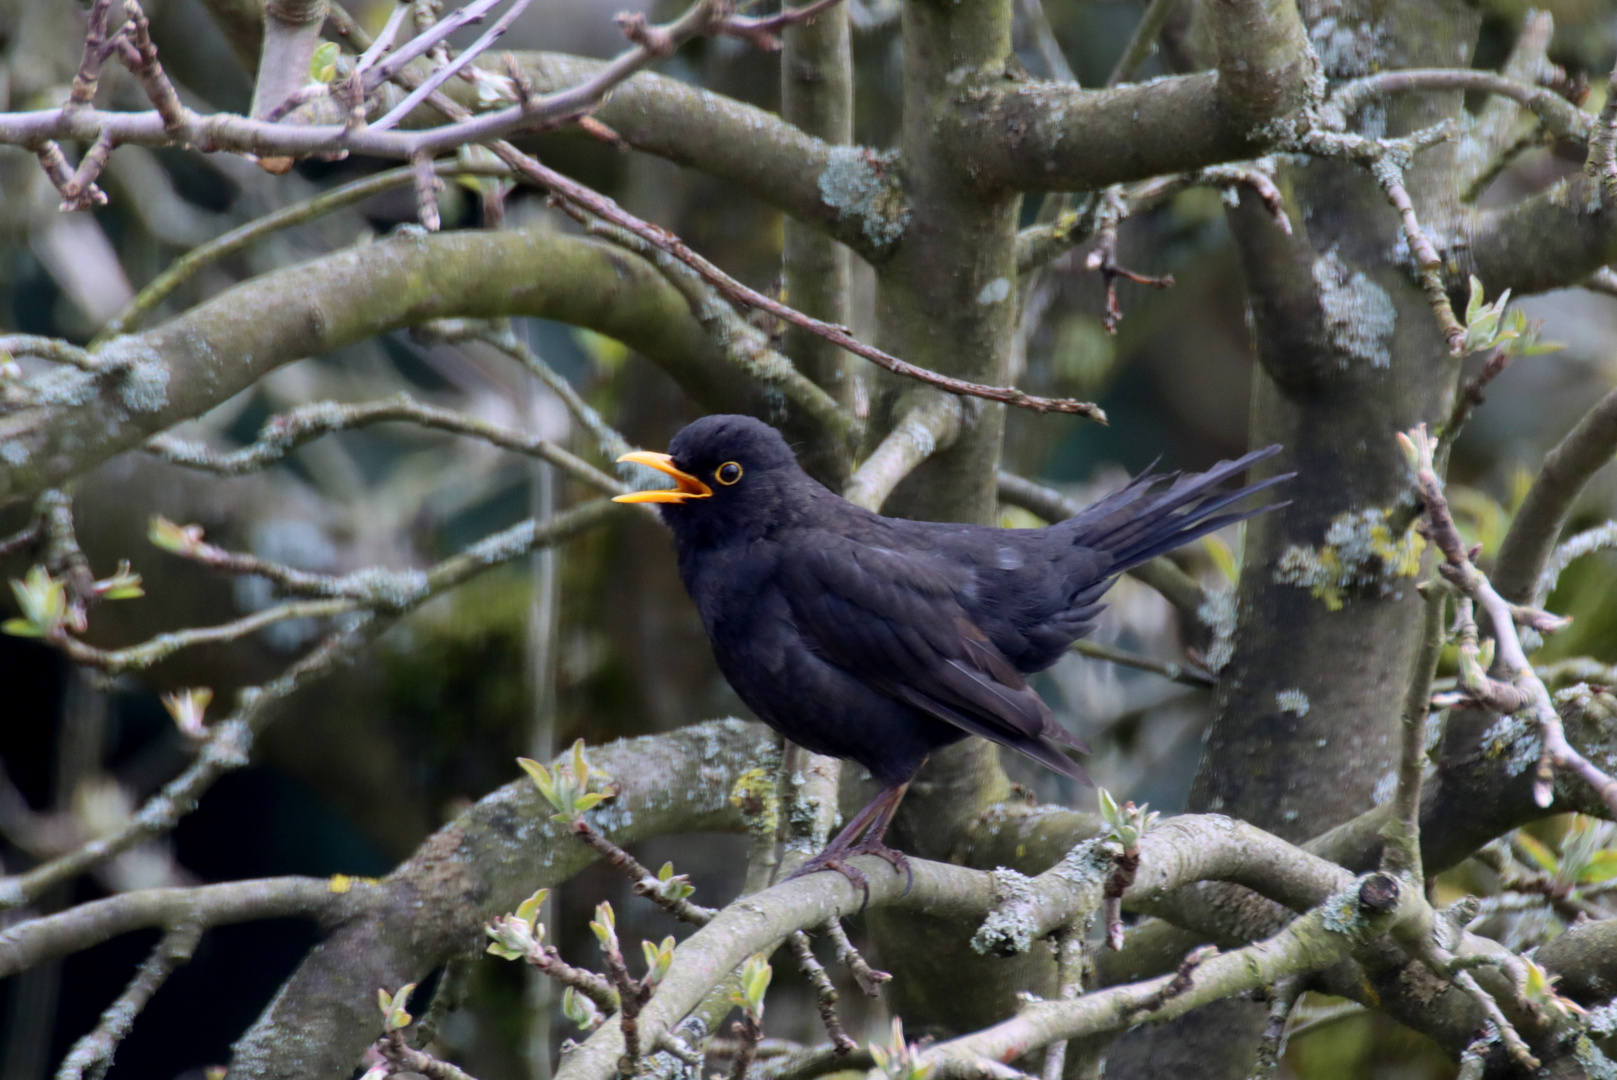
pixel 728 473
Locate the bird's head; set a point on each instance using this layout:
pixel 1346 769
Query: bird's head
pixel 732 476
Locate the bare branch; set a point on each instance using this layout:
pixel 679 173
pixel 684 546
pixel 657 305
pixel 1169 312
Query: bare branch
pixel 231 740
pixel 283 433
pixel 33 941
pixel 1564 119
pixel 92 1054
pixel 930 423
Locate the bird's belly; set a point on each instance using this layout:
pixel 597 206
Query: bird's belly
pixel 823 708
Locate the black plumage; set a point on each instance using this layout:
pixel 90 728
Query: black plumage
pixel 880 640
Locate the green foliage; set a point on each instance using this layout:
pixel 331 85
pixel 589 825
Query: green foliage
pixel 659 958
pixel 567 789
pixel 1490 326
pixel 394 1016
pixel 1127 823
pixel 519 935
pixel 605 927
pixel 755 976
pixel 323 64
pixel 672 886
pixel 165 534
pixel 581 1010
pixel 899 1059
pixel 43 600
pixel 187 708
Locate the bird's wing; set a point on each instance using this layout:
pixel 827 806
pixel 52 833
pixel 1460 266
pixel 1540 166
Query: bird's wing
pixel 894 619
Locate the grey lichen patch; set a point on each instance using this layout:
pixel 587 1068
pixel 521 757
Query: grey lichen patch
pixel 1218 613
pixel 1602 1022
pixel 1596 1065
pixel 13 452
pixel 1360 556
pixel 1385 789
pixel 390 589
pixel 863 185
pixel 1517 740
pixel 1359 315
pixel 995 292
pixel 1293 701
pixel 1010 927
pixel 63 386
pixel 1087 865
pixel 1340 911
pixel 142 374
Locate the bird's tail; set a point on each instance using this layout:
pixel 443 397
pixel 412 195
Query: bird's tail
pixel 1143 519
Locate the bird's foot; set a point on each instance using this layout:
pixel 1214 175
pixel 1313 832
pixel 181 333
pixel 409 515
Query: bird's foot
pixel 899 860
pixel 832 859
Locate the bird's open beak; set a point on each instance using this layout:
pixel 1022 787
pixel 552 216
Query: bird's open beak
pixel 689 486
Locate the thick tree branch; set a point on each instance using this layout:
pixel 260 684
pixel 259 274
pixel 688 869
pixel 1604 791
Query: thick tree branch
pixel 184 367
pixel 482 865
pixel 1034 136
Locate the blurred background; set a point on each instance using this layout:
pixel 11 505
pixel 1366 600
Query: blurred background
pixel 596 640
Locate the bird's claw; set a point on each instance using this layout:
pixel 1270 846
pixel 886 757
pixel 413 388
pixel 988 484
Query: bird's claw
pixel 828 860
pixel 899 860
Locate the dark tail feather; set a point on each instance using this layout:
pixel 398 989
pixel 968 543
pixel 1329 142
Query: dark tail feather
pixel 1137 523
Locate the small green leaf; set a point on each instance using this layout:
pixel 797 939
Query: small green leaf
pixel 1473 304
pixel 21 628
pixel 179 539
pixel 1538 851
pixel 541 780
pixel 605 926
pixel 1602 866
pixel 397 1018
pixel 528 910
pixel 581 765
pixel 323 64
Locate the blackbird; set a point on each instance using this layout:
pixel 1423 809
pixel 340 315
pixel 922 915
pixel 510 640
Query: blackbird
pixel 881 640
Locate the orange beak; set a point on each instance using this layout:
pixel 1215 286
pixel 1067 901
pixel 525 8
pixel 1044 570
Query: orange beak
pixel 689 486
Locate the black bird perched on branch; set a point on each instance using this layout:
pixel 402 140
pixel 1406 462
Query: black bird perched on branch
pixel 881 640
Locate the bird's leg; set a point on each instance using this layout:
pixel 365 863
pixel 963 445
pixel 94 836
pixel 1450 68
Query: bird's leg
pixel 886 802
pixel 870 823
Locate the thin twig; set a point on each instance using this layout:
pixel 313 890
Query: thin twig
pixel 1143 42
pixel 1283 997
pixel 870 979
pixel 1184 674
pixel 231 739
pixel 1522 687
pixel 1563 118
pixel 449 70
pixel 287 216
pixel 285 432
pixel 92 1054
pixel 643 881
pixel 53 349
pixel 825 994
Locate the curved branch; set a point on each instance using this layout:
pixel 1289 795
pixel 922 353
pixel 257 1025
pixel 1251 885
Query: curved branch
pixel 481 865
pixel 78 928
pixel 1587 448
pixel 151 381
pixel 1056 137
pixel 931 423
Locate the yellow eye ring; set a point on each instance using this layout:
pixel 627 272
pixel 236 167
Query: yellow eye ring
pixel 728 473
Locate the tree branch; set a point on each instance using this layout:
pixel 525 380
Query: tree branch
pixel 33 941
pixel 481 865
pixel 76 420
pixel 1034 136
pixel 1533 532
